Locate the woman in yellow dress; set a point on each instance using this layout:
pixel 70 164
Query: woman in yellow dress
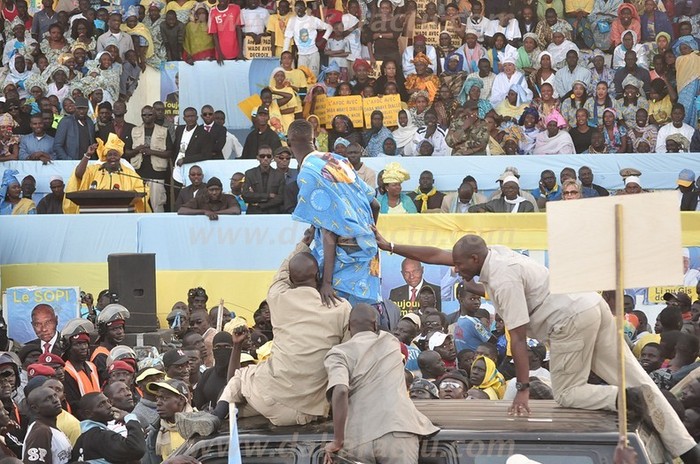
pixel 284 97
pixel 422 80
pixel 10 191
pixel 113 173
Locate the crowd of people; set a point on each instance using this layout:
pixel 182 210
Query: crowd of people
pixel 511 77
pixel 82 394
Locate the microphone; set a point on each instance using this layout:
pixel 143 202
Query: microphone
pixel 115 187
pixel 93 185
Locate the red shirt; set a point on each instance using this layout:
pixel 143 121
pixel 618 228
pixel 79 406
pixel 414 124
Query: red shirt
pixel 10 15
pixel 224 24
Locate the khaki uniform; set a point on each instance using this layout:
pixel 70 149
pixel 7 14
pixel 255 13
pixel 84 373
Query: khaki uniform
pixel 581 332
pixel 371 366
pixel 289 387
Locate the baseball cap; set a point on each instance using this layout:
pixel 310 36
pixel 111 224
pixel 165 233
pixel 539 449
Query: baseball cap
pixel 413 317
pixel 174 358
pixel 682 298
pixel 437 339
pixel 50 358
pixel 172 385
pixel 455 375
pixel 686 178
pixel 511 179
pixel 148 372
pixel 113 315
pixel 260 109
pixel 505 174
pixel 426 386
pixel 120 366
pixel 279 150
pixel 81 102
pixel 40 369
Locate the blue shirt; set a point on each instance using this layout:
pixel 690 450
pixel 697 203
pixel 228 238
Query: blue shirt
pixel 551 195
pixel 470 333
pixel 30 144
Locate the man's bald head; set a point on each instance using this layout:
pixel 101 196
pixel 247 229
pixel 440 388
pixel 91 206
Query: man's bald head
pixel 303 270
pixel 363 318
pixel 468 255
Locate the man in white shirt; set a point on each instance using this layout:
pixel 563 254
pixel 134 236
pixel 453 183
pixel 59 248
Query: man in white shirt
pixel 506 25
pixel 419 46
pixel 232 148
pixel 44 442
pixel 677 126
pixel 255 19
pixel 44 322
pixel 477 22
pixel 434 134
pixel 115 36
pixel 303 29
pixel 690 276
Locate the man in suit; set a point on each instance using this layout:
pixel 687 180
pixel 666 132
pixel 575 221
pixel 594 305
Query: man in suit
pixel 260 135
pixel 196 187
pixel 75 133
pixel 117 125
pixel 263 188
pixel 406 296
pixel 283 156
pixel 206 142
pixel 44 322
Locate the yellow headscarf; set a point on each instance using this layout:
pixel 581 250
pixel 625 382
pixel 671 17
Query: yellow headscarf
pixel 421 58
pixel 144 32
pixel 113 143
pixel 493 380
pixel 395 174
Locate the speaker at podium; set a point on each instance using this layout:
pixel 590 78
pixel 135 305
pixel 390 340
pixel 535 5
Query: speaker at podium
pixel 132 276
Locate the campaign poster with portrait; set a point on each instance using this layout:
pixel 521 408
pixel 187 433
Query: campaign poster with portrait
pixel 170 90
pixel 18 303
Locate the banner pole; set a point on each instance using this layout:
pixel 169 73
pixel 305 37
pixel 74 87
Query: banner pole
pixel 620 320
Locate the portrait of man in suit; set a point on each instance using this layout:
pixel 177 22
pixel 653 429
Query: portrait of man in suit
pixel 45 322
pixel 407 296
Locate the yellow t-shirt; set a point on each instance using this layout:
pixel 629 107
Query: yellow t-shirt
pixel 68 424
pixel 276 25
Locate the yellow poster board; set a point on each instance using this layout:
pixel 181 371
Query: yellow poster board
pixel 350 106
pixel 656 294
pixel 389 105
pixel 431 31
pixel 249 104
pixel 262 50
pixel 452 28
pixel 320 109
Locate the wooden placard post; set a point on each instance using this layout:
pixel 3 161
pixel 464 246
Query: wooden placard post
pixel 220 316
pixel 608 242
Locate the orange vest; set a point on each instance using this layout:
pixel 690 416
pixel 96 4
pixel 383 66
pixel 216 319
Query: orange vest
pixel 86 383
pixel 99 350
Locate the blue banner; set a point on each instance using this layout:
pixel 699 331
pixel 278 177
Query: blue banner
pixel 18 303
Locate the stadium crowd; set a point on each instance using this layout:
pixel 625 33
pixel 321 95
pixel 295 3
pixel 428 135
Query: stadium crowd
pixel 520 77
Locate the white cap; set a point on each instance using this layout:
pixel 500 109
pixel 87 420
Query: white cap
pixel 632 180
pixel 520 459
pixel 511 179
pixel 437 339
pixel 413 317
pixel 508 59
pixel 53 178
pixel 686 253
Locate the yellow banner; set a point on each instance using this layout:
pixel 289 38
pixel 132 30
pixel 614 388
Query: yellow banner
pixel 431 31
pixel 389 105
pixel 262 50
pixel 656 294
pixel 350 106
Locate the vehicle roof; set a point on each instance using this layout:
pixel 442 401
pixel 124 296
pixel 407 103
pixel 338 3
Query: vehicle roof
pixel 473 416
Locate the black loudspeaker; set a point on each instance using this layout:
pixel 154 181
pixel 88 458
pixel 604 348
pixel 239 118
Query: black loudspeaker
pixel 132 276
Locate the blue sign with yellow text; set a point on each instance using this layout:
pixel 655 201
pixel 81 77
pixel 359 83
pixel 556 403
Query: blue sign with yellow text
pixel 18 303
